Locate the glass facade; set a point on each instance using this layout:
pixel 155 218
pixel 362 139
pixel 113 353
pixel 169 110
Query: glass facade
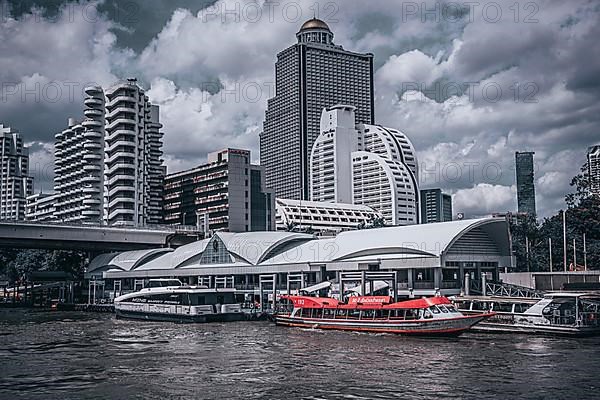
pixel 525 182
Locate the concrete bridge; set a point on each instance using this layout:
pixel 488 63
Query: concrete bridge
pixel 93 238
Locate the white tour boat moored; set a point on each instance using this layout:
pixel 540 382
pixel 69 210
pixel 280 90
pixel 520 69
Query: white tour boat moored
pixel 169 300
pixel 564 313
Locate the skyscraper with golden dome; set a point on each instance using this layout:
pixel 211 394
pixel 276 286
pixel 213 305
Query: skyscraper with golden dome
pixel 310 75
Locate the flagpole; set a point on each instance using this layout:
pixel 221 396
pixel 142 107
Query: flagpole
pixel 550 252
pixel 574 255
pixel 584 254
pixel 565 240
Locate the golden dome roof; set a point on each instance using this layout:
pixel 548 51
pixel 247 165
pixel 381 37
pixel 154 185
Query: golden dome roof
pixel 314 23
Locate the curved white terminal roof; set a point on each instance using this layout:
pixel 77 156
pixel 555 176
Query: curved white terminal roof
pixel 487 237
pixel 126 261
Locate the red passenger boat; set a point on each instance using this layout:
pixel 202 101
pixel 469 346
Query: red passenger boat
pixel 433 316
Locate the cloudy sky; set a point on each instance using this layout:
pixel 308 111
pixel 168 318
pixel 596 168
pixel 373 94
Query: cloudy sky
pixel 469 82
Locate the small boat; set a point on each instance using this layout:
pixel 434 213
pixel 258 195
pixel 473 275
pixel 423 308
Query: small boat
pixel 433 316
pixel 169 300
pixel 564 313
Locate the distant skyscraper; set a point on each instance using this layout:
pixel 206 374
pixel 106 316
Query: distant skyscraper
pixel 366 165
pixel 15 182
pixel 525 182
pixel 593 165
pixel 435 206
pixel 309 76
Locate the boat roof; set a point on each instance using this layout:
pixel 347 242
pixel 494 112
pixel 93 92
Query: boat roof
pixel 418 303
pixel 365 302
pixel 498 299
pixel 572 294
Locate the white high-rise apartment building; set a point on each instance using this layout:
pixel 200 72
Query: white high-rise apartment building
pixel 79 164
pixel 365 165
pixel 15 182
pixel 108 168
pixel 133 170
pixel 593 165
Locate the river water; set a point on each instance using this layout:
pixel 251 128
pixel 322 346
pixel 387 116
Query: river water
pixel 68 355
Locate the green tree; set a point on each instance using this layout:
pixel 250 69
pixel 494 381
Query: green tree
pixel 374 222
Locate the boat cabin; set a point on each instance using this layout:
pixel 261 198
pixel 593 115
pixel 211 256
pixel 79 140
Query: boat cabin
pixel 370 308
pixel 185 296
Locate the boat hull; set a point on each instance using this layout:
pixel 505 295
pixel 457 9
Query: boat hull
pixel 492 327
pixel 180 318
pixel 433 327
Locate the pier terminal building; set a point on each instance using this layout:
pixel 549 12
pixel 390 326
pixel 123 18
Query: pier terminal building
pixel 425 259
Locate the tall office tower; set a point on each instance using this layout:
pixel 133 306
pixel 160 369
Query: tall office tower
pixel 365 165
pixel 435 206
pixel 133 170
pixel 227 193
pixel 593 165
pixel 15 182
pixel 525 183
pixel 79 164
pixel 312 74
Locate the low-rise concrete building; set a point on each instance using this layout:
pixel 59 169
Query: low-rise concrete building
pixel 227 193
pixel 324 219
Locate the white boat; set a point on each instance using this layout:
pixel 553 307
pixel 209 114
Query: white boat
pixel 169 300
pixel 564 313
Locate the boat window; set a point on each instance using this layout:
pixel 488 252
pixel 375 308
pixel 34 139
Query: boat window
pixel 451 308
pixel 443 309
pixel 521 308
pixel 434 310
pixel 381 314
pixel 502 307
pixel 367 314
pixel 197 300
pixel 328 313
pixel 428 314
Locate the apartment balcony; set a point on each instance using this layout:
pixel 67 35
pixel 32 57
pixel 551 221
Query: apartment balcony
pixel 90 179
pixel 120 211
pixel 91 213
pixel 116 178
pixel 93 112
pixel 88 156
pixel 91 202
pixel 121 131
pixel 92 146
pixel 122 108
pixel 91 190
pixel 91 167
pixel 113 202
pixel 122 120
pixel 93 135
pixel 94 90
pixel 92 123
pixel 130 145
pixel 121 98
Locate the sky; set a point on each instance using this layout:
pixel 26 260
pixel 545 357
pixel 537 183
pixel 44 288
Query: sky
pixel 469 82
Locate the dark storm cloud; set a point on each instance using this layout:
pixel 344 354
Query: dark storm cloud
pixel 198 69
pixel 136 21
